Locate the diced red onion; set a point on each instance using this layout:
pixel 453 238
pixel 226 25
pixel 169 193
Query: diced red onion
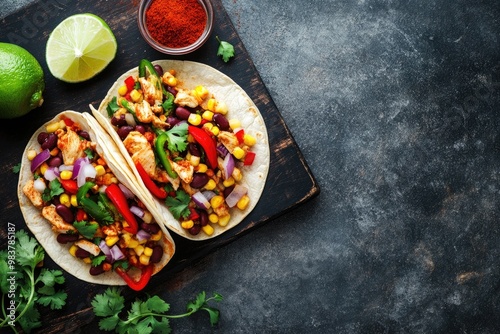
pixel 200 200
pixel 222 150
pixel 142 235
pixel 39 159
pixel 208 194
pixel 65 167
pixel 50 174
pixel 86 171
pixel 137 211
pixel 238 192
pixel 228 166
pixel 78 164
pixel 129 118
pixel 39 185
pixel 105 249
pixel 116 253
pixel 126 191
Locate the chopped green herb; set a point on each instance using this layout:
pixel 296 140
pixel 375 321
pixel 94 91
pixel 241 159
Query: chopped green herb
pixel 54 189
pixel 179 206
pixel 86 229
pixel 16 168
pixel 225 50
pixel 112 107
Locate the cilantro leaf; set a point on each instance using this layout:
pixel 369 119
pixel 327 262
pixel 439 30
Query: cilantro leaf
pixel 16 168
pixel 109 303
pixel 177 138
pixel 179 206
pixel 98 260
pixel 85 228
pixel 28 252
pixel 225 50
pixel 112 106
pixel 157 305
pixel 54 189
pixel 50 277
pixel 55 300
pixel 168 104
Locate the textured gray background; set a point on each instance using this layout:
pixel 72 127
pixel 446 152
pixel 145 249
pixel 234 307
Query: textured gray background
pixel 394 105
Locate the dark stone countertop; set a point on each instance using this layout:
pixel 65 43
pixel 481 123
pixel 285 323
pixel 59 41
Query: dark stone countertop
pixel 395 106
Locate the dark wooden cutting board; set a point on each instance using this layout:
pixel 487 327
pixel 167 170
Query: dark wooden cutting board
pixel 289 183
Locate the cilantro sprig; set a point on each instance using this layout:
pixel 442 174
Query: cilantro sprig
pixel 179 206
pixel 225 50
pixel 148 316
pixel 33 287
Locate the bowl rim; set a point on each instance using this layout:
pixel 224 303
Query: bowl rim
pixel 141 20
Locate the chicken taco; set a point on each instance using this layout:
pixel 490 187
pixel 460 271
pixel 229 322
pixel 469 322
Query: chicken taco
pixel 89 216
pixel 195 141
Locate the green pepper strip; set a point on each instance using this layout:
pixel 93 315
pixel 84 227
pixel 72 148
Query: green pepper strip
pixel 91 207
pixel 140 284
pixel 162 154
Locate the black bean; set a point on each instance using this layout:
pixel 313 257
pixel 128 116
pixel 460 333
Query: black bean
pixel 228 190
pixel 157 254
pixel 50 142
pixel 172 90
pixel 182 113
pixel 55 161
pixel 203 217
pixel 221 122
pixel 42 137
pixel 150 228
pixel 124 131
pixel 63 238
pixel 84 134
pixel 82 253
pixel 158 70
pixel 94 271
pixel 65 213
pixel 119 121
pixel 140 128
pixel 194 149
pixel 195 229
pixel 172 120
pixel 199 180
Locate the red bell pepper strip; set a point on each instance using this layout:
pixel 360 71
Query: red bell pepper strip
pixel 240 135
pixel 70 186
pixel 152 187
pixel 249 158
pixel 116 196
pixel 206 142
pixel 141 283
pixel 130 83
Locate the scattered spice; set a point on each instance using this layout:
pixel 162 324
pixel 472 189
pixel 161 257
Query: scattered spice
pixel 176 23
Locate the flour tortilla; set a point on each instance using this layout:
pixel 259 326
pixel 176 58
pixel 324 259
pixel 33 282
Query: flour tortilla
pixel 41 228
pixel 240 106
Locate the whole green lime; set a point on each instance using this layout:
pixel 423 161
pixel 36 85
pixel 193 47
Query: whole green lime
pixel 21 81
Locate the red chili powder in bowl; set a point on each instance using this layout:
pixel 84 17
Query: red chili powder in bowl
pixel 176 23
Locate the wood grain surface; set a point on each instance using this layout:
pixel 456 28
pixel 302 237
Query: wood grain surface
pixel 289 183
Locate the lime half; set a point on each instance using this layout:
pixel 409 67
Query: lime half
pixel 80 47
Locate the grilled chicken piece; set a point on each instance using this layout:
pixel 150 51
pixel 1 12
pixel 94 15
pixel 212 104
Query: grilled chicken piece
pixel 34 196
pixel 71 146
pixel 151 89
pixel 58 224
pixel 185 99
pixel 184 169
pixel 88 246
pixel 141 151
pixel 146 114
pixel 229 140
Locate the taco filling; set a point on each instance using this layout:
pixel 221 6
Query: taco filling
pixel 189 154
pixel 97 218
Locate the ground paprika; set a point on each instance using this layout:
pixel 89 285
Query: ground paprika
pixel 175 23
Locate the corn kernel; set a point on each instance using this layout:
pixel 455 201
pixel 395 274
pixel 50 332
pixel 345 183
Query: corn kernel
pixel 111 240
pixel 237 174
pixel 211 185
pixel 148 251
pixel 126 239
pixel 194 119
pixel 171 81
pixel 31 154
pixel 100 170
pixel 194 160
pixel 133 243
pixel 208 229
pixel 249 140
pixel 208 126
pixel 243 202
pixel 144 259
pixel 122 90
pixel 229 182
pixel 135 95
pixel 215 130
pixel 156 236
pixel 216 201
pixel 87 260
pixel 238 153
pixel 202 168
pixel 66 175
pixel 65 200
pixel 224 220
pixel 213 218
pixel 139 249
pixel 53 127
pixel 211 103
pixel 221 107
pixel 187 224
pixel 73 249
pixel 147 218
pixel 207 115
pixel 201 92
pixel 73 200
pixel 234 123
